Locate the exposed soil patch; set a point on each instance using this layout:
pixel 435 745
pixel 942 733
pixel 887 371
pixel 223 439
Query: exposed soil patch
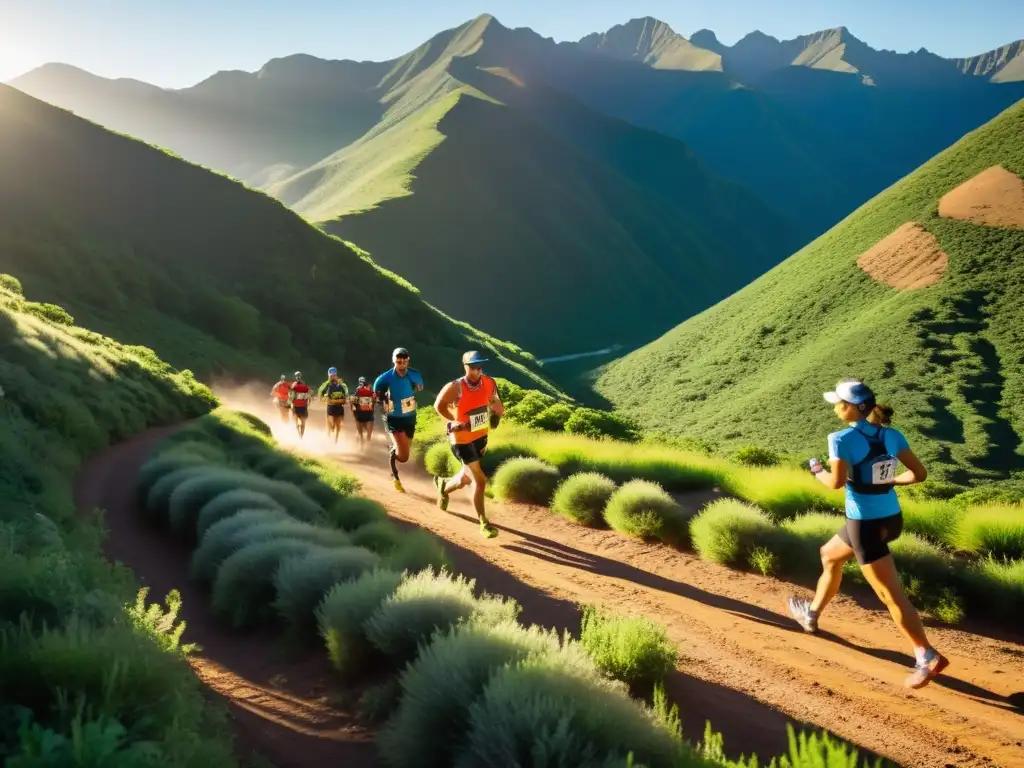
pixel 909 257
pixel 993 198
pixel 282 705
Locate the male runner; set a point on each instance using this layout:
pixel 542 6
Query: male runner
pixel 472 407
pixel 298 395
pixel 396 390
pixel 335 392
pixel 279 394
pixel 362 407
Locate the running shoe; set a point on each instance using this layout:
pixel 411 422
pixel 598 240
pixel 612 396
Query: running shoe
pixel 487 530
pixel 442 497
pixel 926 671
pixel 398 486
pixel 800 609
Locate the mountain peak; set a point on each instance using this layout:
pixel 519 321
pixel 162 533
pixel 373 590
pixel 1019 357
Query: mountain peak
pixel 652 42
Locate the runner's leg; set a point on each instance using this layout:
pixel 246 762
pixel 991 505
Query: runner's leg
pixel 833 557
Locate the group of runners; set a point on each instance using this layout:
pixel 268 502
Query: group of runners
pixel 470 406
pixel 863 459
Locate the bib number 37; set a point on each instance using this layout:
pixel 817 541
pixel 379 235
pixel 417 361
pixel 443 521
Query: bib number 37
pixel 883 471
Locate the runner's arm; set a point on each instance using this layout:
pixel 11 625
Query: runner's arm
pixel 916 471
pixel 836 477
pixel 445 401
pixel 497 407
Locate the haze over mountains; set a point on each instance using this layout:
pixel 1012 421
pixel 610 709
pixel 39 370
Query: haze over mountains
pixel 623 182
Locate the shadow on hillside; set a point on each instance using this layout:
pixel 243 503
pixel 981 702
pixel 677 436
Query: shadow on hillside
pixel 561 554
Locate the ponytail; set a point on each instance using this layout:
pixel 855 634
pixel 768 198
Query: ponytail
pixel 881 415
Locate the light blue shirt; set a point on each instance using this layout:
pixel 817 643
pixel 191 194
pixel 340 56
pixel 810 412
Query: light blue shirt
pixel 401 390
pixel 851 446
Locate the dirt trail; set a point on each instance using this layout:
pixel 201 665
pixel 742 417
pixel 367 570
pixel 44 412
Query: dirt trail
pixel 744 664
pixel 281 705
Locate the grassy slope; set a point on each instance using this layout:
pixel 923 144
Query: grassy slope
pixel 215 277
pixel 65 393
pixel 752 368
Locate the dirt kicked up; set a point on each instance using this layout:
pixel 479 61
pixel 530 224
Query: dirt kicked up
pixel 744 664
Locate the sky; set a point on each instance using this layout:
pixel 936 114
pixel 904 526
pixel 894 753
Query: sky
pixel 177 43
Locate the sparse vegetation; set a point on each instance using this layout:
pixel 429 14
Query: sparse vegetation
pixel 644 510
pixel 526 480
pixel 582 498
pixel 632 649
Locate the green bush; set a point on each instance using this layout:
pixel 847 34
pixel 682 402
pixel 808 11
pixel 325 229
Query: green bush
pixel 757 456
pixel 526 480
pixel 301 583
pixel 354 512
pixel 243 590
pixel 644 510
pixel 996 586
pixel 227 536
pixel 558 705
pixel 440 461
pixel 597 424
pixel 553 418
pixel 996 530
pixel 12 284
pixel 182 456
pixel 49 312
pixel 158 499
pixel 190 496
pixel 632 649
pixel 429 727
pixel 583 497
pixel 933 490
pixel 728 532
pixel 530 407
pixel 381 537
pixel 227 504
pixel 416 550
pixel 936 521
pixel 423 603
pixel 345 610
pixel 930 577
pixel 1009 491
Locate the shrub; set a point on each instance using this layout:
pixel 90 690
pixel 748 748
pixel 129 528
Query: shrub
pixel 996 585
pixel 243 590
pixel 248 526
pixel 558 705
pixel 353 512
pixel 644 510
pixel 440 461
pixel 999 492
pixel 159 497
pixel 530 407
pixel 632 649
pixel 782 492
pixel 553 418
pixel 417 549
pixel 757 456
pixel 190 496
pixel 12 284
pixel 994 530
pixel 936 521
pixel 583 497
pixel 181 456
pixel 226 504
pixel 381 537
pixel 933 490
pixel 424 602
pixel 49 312
pixel 526 480
pixel 728 531
pixel 804 537
pixel 597 424
pixel 345 609
pixel 429 726
pixel 302 582
pixel 929 577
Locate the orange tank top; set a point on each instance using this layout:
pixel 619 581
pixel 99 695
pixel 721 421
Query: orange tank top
pixel 474 408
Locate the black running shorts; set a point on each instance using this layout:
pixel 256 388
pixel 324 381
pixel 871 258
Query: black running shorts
pixel 302 411
pixel 336 410
pixel 363 417
pixel 406 424
pixel 467 453
pixel 869 539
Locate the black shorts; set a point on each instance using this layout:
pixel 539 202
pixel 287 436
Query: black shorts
pixel 467 453
pixel 363 417
pixel 336 410
pixel 301 410
pixel 869 539
pixel 406 424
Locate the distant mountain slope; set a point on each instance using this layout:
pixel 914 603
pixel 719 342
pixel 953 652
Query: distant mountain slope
pixel 1002 65
pixel 918 291
pixel 215 277
pixel 654 43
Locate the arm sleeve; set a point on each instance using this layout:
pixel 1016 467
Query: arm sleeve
pixel 320 392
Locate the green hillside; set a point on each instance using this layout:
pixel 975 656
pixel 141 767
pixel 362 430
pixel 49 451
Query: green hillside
pixel 947 357
pixel 217 278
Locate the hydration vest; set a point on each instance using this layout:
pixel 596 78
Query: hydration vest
pixel 873 474
pixel 364 399
pixel 474 409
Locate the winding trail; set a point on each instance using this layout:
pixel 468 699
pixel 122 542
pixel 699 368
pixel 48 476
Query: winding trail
pixel 744 665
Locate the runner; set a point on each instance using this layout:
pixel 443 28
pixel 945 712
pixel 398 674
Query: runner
pixel 335 392
pixel 864 458
pixel 396 390
pixel 279 394
pixel 362 407
pixel 298 396
pixel 471 407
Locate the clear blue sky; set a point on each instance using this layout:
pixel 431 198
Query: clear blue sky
pixel 176 43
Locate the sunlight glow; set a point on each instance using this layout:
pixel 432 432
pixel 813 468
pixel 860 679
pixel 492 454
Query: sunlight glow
pixel 16 59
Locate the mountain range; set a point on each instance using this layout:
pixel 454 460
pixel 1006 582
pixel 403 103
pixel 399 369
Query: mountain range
pixel 622 182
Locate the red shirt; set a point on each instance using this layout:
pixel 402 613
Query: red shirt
pixel 301 396
pixel 364 398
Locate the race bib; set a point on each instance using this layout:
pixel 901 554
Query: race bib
pixel 479 420
pixel 883 472
pixel 301 396
pixel 365 403
pixel 408 404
